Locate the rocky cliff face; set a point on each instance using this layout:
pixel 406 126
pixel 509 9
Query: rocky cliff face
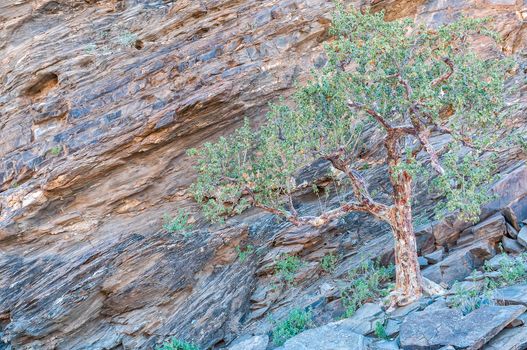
pixel 99 101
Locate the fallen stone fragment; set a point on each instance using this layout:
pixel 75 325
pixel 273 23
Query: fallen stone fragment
pixel 364 320
pixel 512 232
pixel 422 261
pixel 258 342
pixel 513 295
pixel 337 335
pixel 496 262
pixel 460 263
pixel 384 345
pixel 511 246
pixel 522 236
pixel 430 330
pixel 510 338
pixel 435 257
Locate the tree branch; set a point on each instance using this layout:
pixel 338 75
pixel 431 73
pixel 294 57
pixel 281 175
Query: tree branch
pixel 379 118
pixel 445 76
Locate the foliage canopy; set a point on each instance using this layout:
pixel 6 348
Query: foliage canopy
pixel 381 78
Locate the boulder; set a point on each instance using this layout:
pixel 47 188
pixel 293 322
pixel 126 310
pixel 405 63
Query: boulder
pixel 496 262
pixel 460 263
pixel 511 245
pixel 522 236
pixel 364 320
pixel 510 338
pixel 333 336
pixel 257 342
pixel 430 330
pixel 491 229
pixel 516 212
pixel 512 232
pixel 435 257
pixel 512 295
pixel 384 345
pixel 422 261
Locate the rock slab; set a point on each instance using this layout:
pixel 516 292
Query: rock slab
pixel 430 330
pixel 333 336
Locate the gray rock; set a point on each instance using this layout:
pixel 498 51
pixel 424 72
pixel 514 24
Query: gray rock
pixel 257 342
pixel 513 295
pixel 512 232
pixel 333 336
pixel 465 239
pixel 364 320
pixel 435 257
pixel 510 338
pixel 492 229
pixel 522 236
pixel 392 327
pixel 432 329
pixel 496 262
pixel 460 263
pixel 511 246
pixel 384 345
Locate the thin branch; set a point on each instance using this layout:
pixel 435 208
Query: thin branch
pixel 464 139
pixel 434 159
pixel 379 118
pixel 445 76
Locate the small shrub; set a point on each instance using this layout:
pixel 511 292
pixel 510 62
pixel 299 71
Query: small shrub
pixel 176 344
pixel 55 151
pixel 178 224
pixel 127 38
pixel 367 282
pixel 244 254
pixel 296 322
pixel 380 331
pixel 329 262
pixel 512 270
pixel 287 267
pixel 468 300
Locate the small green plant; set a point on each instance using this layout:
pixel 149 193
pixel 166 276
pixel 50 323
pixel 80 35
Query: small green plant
pixel 176 344
pixel 297 321
pixel 243 254
pixel 511 270
pixel 380 331
pixel 366 283
pixel 15 184
pixel 126 38
pixel 287 267
pixel 329 262
pixel 90 48
pixel 468 300
pixel 177 224
pixel 55 151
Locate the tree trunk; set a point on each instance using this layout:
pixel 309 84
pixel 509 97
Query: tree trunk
pixel 408 280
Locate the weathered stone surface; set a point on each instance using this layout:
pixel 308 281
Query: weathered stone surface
pixel 522 236
pixel 435 257
pixel 510 338
pixel 333 336
pixel 384 345
pixel 364 319
pixel 99 101
pixel 512 295
pixel 258 342
pixel 460 263
pixel 429 330
pixel 498 260
pixel 511 245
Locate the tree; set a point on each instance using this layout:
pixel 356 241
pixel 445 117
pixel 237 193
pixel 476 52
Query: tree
pixel 397 82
